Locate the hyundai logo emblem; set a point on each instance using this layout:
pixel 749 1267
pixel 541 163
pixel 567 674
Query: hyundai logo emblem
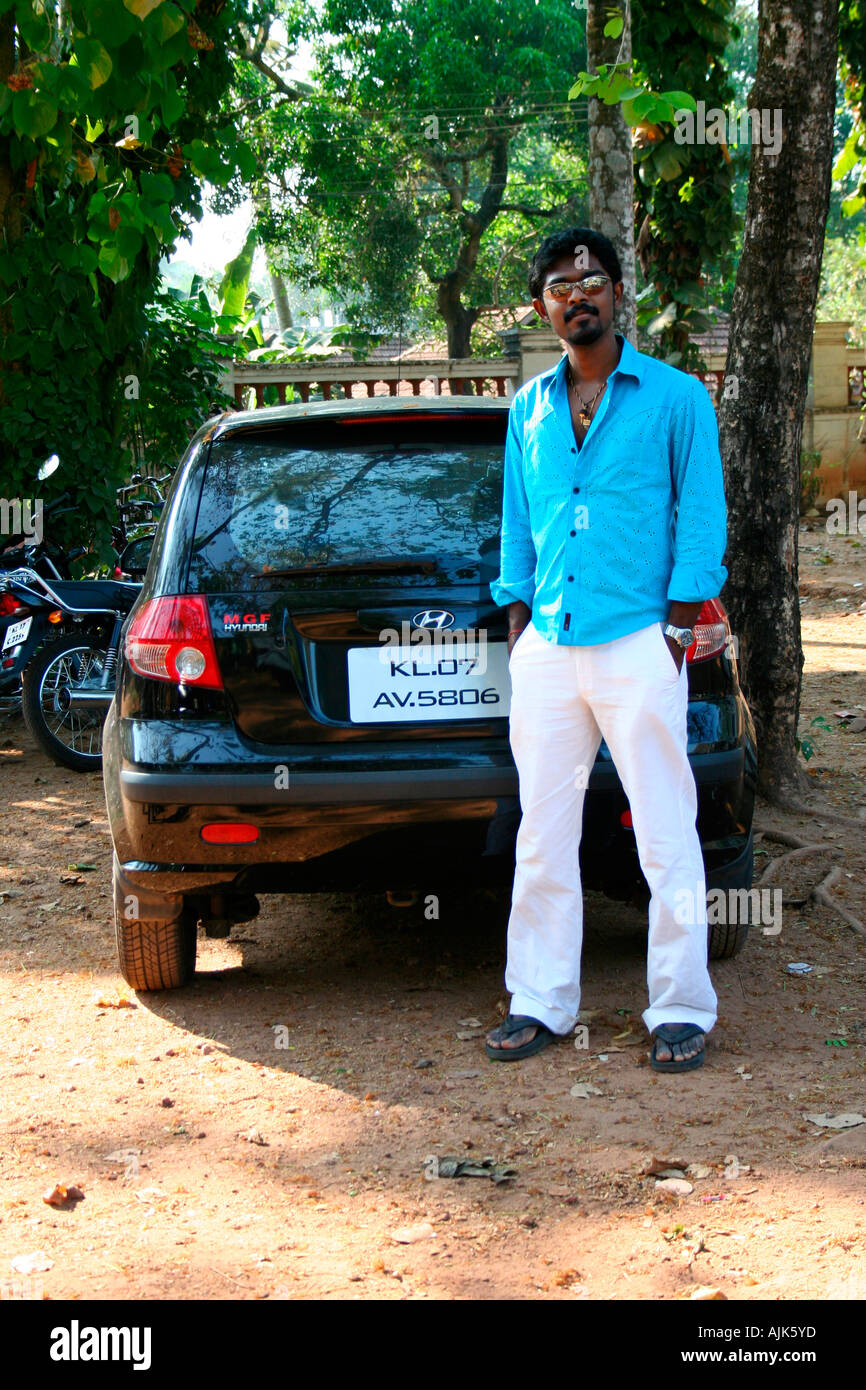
pixel 433 617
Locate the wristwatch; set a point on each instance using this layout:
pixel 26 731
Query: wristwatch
pixel 685 636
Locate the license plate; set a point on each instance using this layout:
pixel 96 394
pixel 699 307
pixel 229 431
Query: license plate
pixel 389 685
pixel 16 634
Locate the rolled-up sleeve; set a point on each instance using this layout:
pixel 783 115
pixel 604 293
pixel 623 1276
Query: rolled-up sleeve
pixel 700 524
pixel 517 559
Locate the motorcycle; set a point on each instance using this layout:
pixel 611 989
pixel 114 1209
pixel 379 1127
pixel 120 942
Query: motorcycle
pixel 67 683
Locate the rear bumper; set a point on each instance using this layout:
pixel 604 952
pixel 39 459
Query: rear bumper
pixel 241 790
pixel 401 830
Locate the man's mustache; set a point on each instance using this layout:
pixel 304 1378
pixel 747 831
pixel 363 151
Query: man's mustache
pixel 580 309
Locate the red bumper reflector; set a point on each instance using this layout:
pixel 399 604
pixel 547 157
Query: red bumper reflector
pixel 229 833
pixel 625 819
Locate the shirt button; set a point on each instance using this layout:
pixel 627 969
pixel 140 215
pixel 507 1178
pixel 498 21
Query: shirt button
pixel 577 489
pixel 572 533
pixel 571 579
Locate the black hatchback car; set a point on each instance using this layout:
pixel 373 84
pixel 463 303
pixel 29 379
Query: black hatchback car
pixel 291 715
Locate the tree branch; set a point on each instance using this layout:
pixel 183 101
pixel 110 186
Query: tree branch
pixel 531 212
pixel 252 55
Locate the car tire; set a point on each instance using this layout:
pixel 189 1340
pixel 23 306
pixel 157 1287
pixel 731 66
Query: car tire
pixel 156 955
pixel 727 939
pixel 156 952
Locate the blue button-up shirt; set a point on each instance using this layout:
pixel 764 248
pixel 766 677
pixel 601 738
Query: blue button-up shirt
pixel 598 541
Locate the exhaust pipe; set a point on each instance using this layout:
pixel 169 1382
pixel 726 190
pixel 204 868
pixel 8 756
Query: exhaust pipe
pixel 72 697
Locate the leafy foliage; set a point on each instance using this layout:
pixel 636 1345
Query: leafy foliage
pixel 404 184
pixel 181 360
pixel 685 217
pixel 109 119
pixel 852 42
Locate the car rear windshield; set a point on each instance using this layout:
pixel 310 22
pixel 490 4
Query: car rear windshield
pixel 384 493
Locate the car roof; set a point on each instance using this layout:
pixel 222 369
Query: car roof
pixel 266 417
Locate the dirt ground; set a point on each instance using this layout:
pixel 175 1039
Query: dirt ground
pixel 270 1132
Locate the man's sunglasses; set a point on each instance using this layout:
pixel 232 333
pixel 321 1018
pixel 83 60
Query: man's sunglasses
pixel 563 289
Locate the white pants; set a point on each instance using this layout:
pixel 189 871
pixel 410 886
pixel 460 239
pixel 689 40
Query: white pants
pixel 564 701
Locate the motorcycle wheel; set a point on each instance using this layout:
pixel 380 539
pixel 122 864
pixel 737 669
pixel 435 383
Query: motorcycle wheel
pixel 70 734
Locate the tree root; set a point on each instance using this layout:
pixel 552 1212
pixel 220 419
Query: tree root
pixel 800 808
pixel 801 852
pixel 780 837
pixel 821 894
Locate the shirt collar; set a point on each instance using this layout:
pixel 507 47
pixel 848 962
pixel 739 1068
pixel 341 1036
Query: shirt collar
pixel 555 386
pixel 630 363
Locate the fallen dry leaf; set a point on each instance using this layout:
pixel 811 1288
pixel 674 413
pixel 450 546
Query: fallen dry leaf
pixel 121 1002
pixel 254 1136
pixel 846 1121
pixel 678 1186
pixel 408 1235
pixel 654 1166
pixel 63 1195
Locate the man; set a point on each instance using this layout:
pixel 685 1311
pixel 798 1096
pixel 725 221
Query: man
pixel 613 534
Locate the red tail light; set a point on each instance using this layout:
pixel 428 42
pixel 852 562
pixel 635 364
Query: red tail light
pixel 9 605
pixel 170 639
pixel 711 632
pixel 230 833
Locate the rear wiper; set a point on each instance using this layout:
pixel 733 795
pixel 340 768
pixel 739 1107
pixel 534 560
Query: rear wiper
pixel 356 567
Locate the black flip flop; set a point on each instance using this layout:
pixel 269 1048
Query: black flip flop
pixel 514 1023
pixel 672 1033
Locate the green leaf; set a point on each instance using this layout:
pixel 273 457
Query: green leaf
pixel 170 22
pixel 94 61
pixel 667 161
pixel 681 100
pixel 33 114
pixel 202 157
pixel 173 103
pixel 160 187
pixel 87 258
pixel 850 206
pixel 848 157
pixel 112 264
pixel 129 242
pixel 639 107
pixel 246 161
pixel 613 28
pixel 141 8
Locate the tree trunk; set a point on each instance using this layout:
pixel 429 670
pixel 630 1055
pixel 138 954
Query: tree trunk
pixel 459 320
pixel 611 173
pixel 281 299
pixel 10 201
pixel 761 413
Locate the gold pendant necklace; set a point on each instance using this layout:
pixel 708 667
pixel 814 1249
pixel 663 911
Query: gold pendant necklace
pixel 584 413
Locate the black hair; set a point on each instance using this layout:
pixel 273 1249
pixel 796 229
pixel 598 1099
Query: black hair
pixel 565 243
